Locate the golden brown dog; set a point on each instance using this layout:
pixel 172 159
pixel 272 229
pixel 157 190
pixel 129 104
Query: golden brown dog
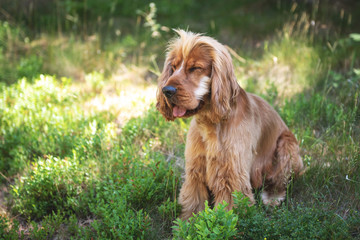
pixel 236 140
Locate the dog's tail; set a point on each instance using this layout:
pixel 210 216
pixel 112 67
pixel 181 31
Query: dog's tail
pixel 288 160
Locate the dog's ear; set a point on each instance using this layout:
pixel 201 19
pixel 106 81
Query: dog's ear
pixel 162 105
pixel 224 87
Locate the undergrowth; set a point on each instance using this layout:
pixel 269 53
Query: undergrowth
pixel 259 222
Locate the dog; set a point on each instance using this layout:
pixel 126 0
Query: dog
pixel 236 140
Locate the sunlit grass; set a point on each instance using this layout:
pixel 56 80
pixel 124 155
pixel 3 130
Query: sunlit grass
pixel 290 63
pixel 126 94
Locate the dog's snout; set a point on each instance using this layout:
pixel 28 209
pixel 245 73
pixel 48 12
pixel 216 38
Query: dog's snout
pixel 169 91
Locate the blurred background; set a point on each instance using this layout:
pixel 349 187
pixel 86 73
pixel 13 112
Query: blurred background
pixel 73 38
pixel 85 155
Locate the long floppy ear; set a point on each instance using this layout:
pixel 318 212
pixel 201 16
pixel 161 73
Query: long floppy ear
pixel 224 87
pixel 162 105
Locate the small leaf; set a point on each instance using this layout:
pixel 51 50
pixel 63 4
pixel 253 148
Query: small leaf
pixel 357 71
pixel 216 230
pixel 355 37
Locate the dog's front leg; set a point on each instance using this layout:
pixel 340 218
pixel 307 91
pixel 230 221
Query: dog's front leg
pixel 193 192
pixel 225 176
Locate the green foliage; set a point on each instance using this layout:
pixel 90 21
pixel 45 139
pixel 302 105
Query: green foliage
pixel 96 81
pixel 9 38
pixel 30 67
pixel 127 180
pixel 215 223
pixel 60 180
pixel 252 222
pixel 169 209
pixel 31 124
pixel 117 218
pixel 171 134
pixel 52 225
pixel 8 228
pixel 13 64
pixel 285 223
pixel 125 198
pixel 40 118
pixel 355 37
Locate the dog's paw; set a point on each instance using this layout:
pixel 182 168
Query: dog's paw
pixel 273 199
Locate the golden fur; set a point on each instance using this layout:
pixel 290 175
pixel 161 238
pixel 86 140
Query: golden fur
pixel 236 141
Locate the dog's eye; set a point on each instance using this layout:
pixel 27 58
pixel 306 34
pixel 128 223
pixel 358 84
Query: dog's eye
pixel 192 69
pixel 172 69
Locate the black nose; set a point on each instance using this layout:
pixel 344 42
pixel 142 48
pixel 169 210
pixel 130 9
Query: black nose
pixel 169 91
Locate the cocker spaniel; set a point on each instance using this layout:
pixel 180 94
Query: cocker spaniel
pixel 236 140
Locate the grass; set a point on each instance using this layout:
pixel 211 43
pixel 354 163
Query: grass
pixel 85 155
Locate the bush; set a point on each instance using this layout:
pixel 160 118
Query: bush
pixel 8 228
pixel 116 219
pixel 33 122
pixel 43 118
pixel 29 67
pixel 53 184
pixel 123 201
pixel 252 222
pixel 208 224
pixel 11 40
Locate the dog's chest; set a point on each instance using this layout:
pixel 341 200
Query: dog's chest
pixel 212 138
pixel 209 132
pixel 226 141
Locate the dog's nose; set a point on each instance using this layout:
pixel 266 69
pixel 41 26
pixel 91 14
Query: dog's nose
pixel 169 91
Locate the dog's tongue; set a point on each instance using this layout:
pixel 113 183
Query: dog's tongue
pixel 178 111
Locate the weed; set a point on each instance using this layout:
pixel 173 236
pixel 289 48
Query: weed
pixel 169 209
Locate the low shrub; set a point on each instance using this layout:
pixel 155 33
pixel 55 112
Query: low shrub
pixel 35 119
pixel 44 118
pixel 123 202
pixel 53 184
pixel 8 228
pixel 29 67
pixel 115 216
pixel 259 222
pixel 215 223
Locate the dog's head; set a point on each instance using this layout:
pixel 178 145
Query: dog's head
pixel 198 73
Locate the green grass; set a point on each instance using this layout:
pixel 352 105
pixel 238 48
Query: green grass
pixel 85 155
